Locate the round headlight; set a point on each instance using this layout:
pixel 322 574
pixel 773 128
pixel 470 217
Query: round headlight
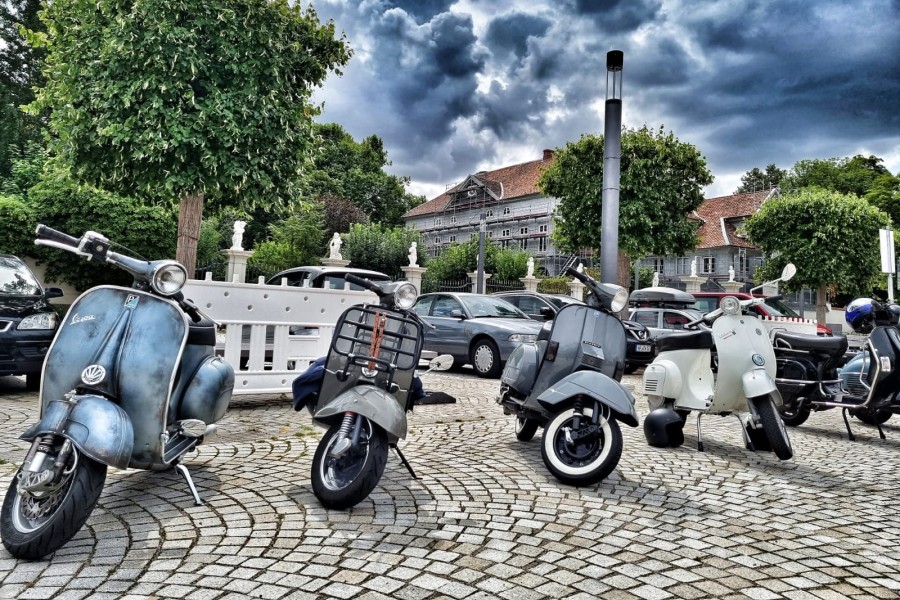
pixel 730 305
pixel 168 278
pixel 620 300
pixel 405 296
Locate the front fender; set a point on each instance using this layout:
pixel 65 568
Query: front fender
pixel 759 383
pixel 99 429
pixel 371 402
pixel 594 385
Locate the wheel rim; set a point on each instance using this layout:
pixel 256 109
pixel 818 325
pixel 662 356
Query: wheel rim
pixel 520 424
pixel 580 457
pixel 339 472
pixel 484 358
pixel 32 511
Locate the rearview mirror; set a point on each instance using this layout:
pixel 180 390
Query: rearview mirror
pixel 789 271
pixel 457 314
pixel 441 363
pixel 547 313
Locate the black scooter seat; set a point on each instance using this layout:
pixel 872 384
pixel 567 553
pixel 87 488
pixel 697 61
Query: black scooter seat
pixel 690 340
pixel 832 344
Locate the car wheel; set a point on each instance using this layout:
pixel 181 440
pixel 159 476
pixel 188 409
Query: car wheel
pixel 485 358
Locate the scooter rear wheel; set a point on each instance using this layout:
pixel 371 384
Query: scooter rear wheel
pixel 583 462
pixel 876 416
pixel 34 525
pixel 774 427
pixel 345 481
pixel 795 417
pixel 525 429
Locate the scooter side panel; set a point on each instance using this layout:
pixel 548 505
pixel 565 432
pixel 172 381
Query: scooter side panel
pixel 594 385
pixel 372 403
pixel 738 338
pixel 138 339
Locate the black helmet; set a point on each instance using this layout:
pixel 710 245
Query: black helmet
pixel 663 428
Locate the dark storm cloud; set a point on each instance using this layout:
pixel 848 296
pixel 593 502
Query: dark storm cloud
pixel 510 33
pixel 422 10
pixel 618 15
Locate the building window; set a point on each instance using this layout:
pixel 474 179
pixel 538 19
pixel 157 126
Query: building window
pixel 682 265
pixel 504 243
pixel 437 239
pixel 453 219
pixel 523 231
pixel 437 222
pixel 709 264
pixel 505 233
pixel 490 234
pixel 656 264
pixel 452 238
pixel 542 229
pixel 489 213
pixel 473 236
pixel 542 244
pixel 507 211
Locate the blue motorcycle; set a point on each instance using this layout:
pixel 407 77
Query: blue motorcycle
pixel 130 381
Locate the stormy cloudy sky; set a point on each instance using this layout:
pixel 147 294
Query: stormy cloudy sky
pixel 458 86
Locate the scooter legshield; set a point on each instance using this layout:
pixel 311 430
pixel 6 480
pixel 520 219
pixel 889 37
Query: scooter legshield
pixel 371 402
pixel 98 428
pixel 759 383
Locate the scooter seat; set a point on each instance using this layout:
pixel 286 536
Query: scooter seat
pixel 692 340
pixel 832 344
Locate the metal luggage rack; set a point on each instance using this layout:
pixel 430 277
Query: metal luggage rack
pixel 355 332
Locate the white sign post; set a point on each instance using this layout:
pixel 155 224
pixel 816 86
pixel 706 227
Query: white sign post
pixel 888 262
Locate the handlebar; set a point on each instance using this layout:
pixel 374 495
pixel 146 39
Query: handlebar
pixel 48 233
pixel 577 275
pixel 362 281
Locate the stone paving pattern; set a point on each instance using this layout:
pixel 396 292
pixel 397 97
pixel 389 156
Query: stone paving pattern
pixel 485 519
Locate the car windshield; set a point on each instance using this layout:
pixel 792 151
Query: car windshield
pixel 16 279
pixel 560 301
pixel 484 306
pixel 777 308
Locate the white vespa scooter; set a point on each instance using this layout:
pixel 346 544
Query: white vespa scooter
pixel 681 379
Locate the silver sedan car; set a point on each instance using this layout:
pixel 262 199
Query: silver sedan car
pixel 475 329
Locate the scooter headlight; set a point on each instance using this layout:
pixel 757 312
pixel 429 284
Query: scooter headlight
pixel 405 296
pixel 619 300
pixel 168 278
pixel 730 305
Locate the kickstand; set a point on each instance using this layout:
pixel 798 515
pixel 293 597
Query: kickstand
pixel 699 439
pixel 404 461
pixel 187 477
pixel 847 423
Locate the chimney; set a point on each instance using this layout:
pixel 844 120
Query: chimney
pixel 548 154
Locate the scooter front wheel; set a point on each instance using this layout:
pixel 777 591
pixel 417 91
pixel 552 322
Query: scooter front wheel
pixel 344 477
pixel 581 456
pixel 37 522
pixel 774 427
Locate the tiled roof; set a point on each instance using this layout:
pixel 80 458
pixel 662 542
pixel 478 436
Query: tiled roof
pixel 507 183
pixel 719 216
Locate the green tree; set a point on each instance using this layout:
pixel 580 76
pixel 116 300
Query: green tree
pixel 755 180
pixel 459 259
pixel 294 242
pixel 854 175
pixel 381 248
pixel 19 74
pixel 340 214
pixel 188 100
pixel 831 238
pixel 355 171
pixel 885 195
pixel 662 181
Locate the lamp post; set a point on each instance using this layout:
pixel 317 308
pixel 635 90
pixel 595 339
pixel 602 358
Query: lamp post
pixel 482 229
pixel 612 149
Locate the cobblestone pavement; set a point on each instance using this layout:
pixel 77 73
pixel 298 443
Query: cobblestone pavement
pixel 485 519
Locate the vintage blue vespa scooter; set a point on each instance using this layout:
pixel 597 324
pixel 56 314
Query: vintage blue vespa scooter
pixel 130 381
pixel 568 383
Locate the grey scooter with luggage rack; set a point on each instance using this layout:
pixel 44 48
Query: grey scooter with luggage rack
pixel 568 383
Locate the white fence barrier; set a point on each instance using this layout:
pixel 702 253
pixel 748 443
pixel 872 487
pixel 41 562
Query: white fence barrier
pixel 268 333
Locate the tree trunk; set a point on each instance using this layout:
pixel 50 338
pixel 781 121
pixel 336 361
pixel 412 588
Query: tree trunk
pixel 820 304
pixel 190 213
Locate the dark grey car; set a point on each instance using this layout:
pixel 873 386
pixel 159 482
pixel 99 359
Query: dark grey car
pixel 475 329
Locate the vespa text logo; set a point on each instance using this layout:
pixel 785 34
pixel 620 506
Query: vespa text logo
pixel 93 374
pixel 79 319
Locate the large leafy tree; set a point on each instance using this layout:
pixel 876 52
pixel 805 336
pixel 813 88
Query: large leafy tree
pixel 662 181
pixel 854 175
pixel 297 240
pixel 19 74
pixel 352 170
pixel 195 101
pixel 755 179
pixel 380 248
pixel 885 194
pixel 832 238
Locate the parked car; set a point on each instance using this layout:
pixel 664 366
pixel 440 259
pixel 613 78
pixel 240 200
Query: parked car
pixel 329 278
pixel 640 350
pixel 662 310
pixel 27 321
pixel 773 307
pixel 475 329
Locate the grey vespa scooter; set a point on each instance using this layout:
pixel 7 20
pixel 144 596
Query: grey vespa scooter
pixel 130 381
pixel 568 383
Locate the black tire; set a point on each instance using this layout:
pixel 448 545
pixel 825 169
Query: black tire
pixel 525 428
pixel 774 427
pixel 795 417
pixel 873 416
pixel 629 368
pixel 69 507
pixel 32 382
pixel 580 464
pixel 343 482
pixel 485 358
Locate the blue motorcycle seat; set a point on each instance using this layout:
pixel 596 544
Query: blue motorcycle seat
pixel 691 340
